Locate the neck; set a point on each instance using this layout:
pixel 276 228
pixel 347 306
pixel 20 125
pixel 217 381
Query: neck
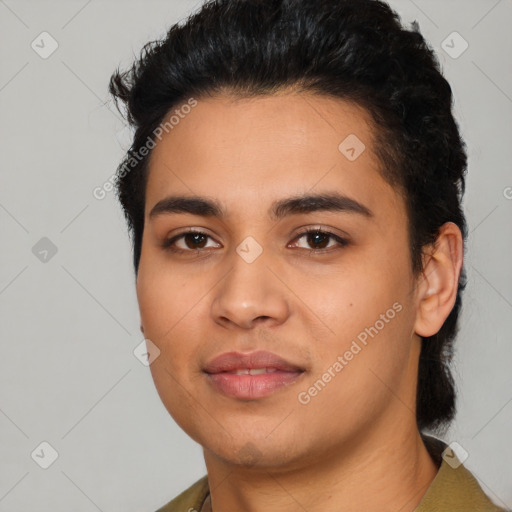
pixel 388 472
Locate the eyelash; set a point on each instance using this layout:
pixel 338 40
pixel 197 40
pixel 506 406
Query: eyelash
pixel 168 244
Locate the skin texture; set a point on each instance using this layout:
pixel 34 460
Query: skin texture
pixel 355 444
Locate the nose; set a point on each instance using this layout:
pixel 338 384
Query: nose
pixel 250 294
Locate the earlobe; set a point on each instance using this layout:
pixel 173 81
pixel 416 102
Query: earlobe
pixel 438 284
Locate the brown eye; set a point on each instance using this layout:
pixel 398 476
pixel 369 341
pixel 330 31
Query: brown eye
pixel 192 241
pixel 196 240
pixel 319 239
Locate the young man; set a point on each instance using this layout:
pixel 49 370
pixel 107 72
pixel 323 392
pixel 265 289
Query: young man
pixel 294 195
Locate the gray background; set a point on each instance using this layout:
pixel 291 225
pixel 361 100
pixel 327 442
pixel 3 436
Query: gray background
pixel 70 324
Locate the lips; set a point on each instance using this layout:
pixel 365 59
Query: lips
pixel 251 376
pixel 233 361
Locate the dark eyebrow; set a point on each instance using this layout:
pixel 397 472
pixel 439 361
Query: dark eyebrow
pixel 302 204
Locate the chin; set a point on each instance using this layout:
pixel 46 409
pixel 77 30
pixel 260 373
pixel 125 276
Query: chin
pixel 252 454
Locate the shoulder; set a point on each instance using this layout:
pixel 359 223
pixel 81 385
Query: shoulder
pixel 190 500
pixel 454 489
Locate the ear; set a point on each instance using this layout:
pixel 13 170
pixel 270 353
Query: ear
pixel 437 285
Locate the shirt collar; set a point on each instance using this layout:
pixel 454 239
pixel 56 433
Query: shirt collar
pixel 454 488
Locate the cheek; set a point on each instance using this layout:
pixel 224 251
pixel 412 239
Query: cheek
pixel 360 373
pixel 172 314
pixel 356 298
pixel 169 318
pixel 370 315
pixel 162 300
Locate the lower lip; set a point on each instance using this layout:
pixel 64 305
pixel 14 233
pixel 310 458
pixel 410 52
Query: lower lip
pixel 251 387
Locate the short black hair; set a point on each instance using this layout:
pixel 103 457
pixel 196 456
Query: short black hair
pixel 355 50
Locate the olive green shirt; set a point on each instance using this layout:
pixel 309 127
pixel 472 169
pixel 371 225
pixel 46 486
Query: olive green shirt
pixel 454 489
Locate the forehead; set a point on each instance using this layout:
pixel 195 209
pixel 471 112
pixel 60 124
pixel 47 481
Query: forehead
pixel 248 150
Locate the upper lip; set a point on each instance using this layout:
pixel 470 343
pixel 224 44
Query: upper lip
pixel 231 361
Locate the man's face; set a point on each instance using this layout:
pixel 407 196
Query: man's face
pixel 338 322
